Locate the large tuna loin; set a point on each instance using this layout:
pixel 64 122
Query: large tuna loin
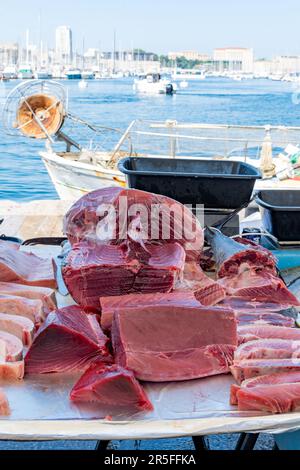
pixel 167 343
pixel 111 386
pixel 68 341
pixel 94 271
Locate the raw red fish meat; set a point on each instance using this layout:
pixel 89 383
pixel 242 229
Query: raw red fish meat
pixel 254 332
pixel 243 370
pixel 46 295
pixel 259 286
pixel 281 398
pixel 4 405
pixel 166 343
pixel 11 348
pixel 11 370
pixel 69 340
pixel 140 217
pixel 111 386
pixel 32 309
pixel 245 306
pixel 264 318
pixel 21 327
pixel 268 349
pixel 25 268
pixel 206 290
pixel 233 258
pixel 92 271
pixel 109 305
pixel 272 379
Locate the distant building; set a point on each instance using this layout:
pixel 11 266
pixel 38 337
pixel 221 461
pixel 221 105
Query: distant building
pixel 234 59
pixel 64 44
pixel 9 54
pixel 189 55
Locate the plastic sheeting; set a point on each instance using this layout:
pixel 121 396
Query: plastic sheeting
pixel 41 410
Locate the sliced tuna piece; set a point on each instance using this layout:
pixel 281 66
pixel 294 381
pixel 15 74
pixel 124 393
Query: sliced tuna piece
pixel 248 369
pixel 111 386
pixel 93 271
pixel 256 332
pixel 167 343
pixel 263 318
pixel 268 349
pixel 4 405
pixel 272 379
pixel 111 304
pixel 11 347
pixel 11 370
pixel 279 398
pixel 69 340
pixel 32 309
pixel 25 268
pixel 46 295
pixel 261 286
pixel 21 327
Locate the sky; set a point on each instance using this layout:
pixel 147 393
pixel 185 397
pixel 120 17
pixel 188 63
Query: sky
pixel 271 27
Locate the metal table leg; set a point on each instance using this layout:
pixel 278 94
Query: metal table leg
pixel 102 446
pixel 200 443
pixel 247 441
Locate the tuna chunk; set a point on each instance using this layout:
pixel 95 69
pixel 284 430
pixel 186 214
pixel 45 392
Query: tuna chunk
pixel 268 349
pixel 69 340
pixel 167 343
pixel 11 347
pixel 281 398
pixel 273 379
pixel 110 304
pixel 251 368
pixel 111 386
pixel 260 286
pixel 256 332
pixel 4 405
pixel 21 327
pixel 46 295
pixel 263 318
pixel 31 309
pixel 11 370
pixel 25 268
pixel 93 271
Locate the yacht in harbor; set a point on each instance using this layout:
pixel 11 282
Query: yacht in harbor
pixel 154 84
pixel 184 74
pixel 73 74
pixel 25 72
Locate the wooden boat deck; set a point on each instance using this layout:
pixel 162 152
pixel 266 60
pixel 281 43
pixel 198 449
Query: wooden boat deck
pixel 33 219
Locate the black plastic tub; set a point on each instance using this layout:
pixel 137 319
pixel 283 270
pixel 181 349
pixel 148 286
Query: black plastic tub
pixel 214 183
pixel 280 212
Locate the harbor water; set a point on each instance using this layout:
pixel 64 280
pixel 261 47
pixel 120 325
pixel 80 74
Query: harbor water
pixel 113 103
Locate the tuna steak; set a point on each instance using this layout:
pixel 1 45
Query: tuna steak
pixel 263 318
pixel 31 309
pixel 280 398
pixel 167 343
pixel 69 340
pixel 25 268
pixel 254 332
pixel 251 368
pixel 111 386
pixel 46 295
pixel 268 349
pixel 21 327
pixel 11 348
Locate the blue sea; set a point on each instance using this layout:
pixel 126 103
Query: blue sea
pixel 113 103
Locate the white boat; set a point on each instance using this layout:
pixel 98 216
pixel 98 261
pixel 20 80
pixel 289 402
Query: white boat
pixel 25 72
pixel 87 75
pixel 154 84
pixel 42 75
pixel 10 72
pixel 73 74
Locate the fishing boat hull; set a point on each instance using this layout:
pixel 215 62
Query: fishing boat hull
pixel 72 179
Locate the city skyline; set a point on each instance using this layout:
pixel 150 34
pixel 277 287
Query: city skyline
pixel 159 27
